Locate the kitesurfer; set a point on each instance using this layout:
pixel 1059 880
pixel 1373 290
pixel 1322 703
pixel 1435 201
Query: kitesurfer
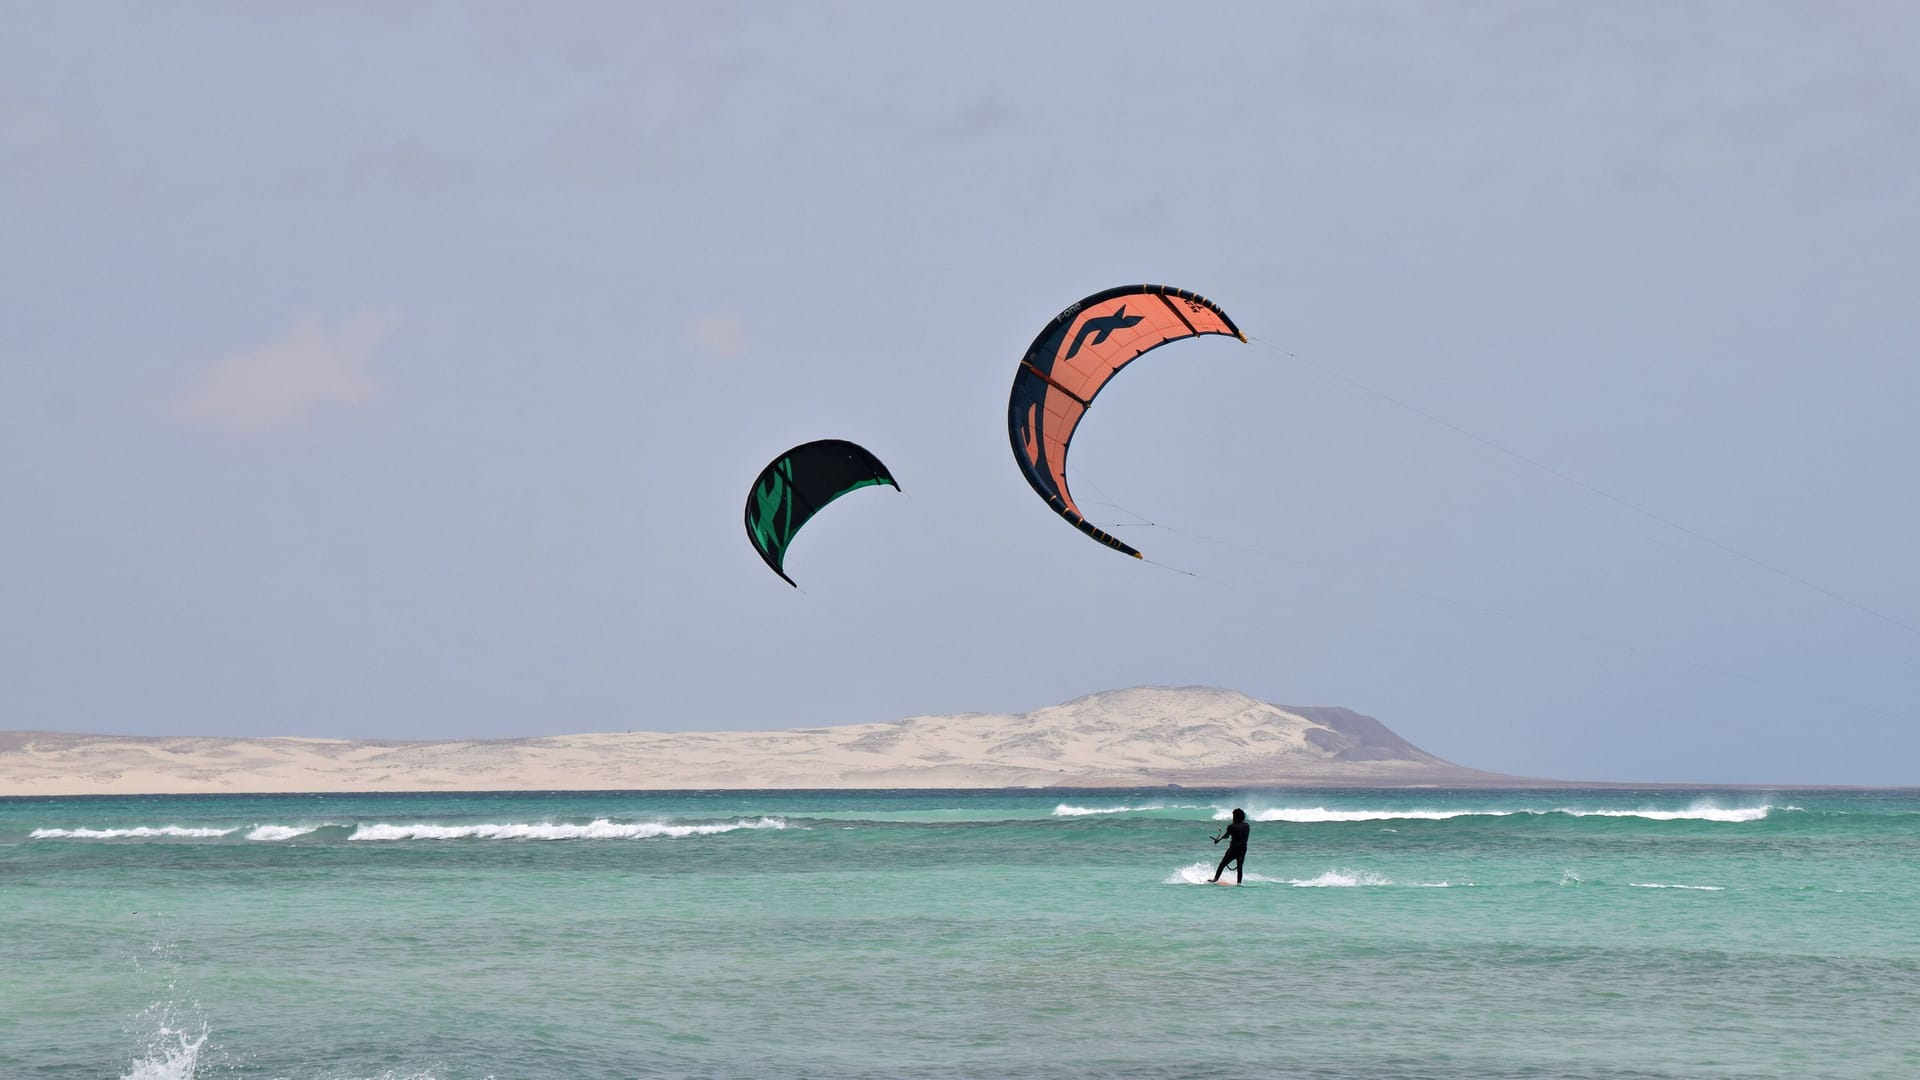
pixel 1235 834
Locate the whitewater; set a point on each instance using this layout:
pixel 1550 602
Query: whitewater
pixel 1597 933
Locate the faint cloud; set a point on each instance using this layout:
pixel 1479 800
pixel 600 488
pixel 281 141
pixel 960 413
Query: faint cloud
pixel 584 35
pixel 719 335
pixel 36 142
pixel 1828 145
pixel 635 127
pixel 648 79
pixel 1149 215
pixel 274 386
pixel 938 124
pixel 403 167
pixel 967 123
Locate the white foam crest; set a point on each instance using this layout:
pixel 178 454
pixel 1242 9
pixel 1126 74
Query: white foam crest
pixel 598 829
pixel 138 832
pixel 1314 814
pixel 1310 815
pixel 1696 813
pixel 283 832
pixel 171 1055
pixel 1067 810
pixel 1341 879
pixel 1663 885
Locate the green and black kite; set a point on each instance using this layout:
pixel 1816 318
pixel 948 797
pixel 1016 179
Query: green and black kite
pixel 797 485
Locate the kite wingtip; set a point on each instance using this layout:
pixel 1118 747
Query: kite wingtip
pixel 1242 336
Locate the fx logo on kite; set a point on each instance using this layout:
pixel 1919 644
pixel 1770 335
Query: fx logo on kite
pixel 1102 326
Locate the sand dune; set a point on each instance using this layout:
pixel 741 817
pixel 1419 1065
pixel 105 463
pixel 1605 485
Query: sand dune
pixel 1146 736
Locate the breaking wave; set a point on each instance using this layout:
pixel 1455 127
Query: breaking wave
pixel 283 832
pixel 1317 814
pixel 1705 813
pixel 598 829
pixel 1320 814
pixel 136 832
pixel 1067 810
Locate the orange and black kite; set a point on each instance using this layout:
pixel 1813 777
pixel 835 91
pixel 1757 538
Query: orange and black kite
pixel 1073 358
pixel 797 484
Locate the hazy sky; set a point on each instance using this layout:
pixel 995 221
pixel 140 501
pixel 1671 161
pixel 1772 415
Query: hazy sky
pixel 400 369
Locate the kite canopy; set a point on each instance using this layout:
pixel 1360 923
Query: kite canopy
pixel 1082 348
pixel 797 484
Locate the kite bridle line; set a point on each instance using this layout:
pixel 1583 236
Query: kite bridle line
pixel 1591 489
pixel 1522 620
pixel 1479 609
pixel 1243 589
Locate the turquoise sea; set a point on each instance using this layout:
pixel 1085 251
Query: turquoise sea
pixel 1590 933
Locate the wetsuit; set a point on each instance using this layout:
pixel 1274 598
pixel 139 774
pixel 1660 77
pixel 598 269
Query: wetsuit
pixel 1236 852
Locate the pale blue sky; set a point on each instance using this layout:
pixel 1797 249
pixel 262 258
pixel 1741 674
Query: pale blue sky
pixel 400 370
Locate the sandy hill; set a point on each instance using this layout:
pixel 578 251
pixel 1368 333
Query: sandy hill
pixel 1145 736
